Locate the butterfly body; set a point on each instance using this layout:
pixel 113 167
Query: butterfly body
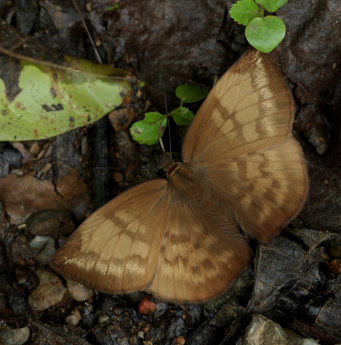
pixel 187 183
pixel 180 238
pixel 189 187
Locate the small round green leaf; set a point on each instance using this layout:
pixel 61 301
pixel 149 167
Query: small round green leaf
pixel 191 93
pixel 150 129
pixel 243 11
pixel 182 116
pixel 272 5
pixel 265 34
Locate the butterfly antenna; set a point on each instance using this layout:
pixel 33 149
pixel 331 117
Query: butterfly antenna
pixel 169 130
pixel 98 58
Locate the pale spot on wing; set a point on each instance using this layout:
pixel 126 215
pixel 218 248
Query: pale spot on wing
pixel 134 226
pixel 124 243
pixel 228 126
pixel 217 117
pixel 246 115
pixel 132 265
pixel 141 249
pixel 250 132
pixel 124 216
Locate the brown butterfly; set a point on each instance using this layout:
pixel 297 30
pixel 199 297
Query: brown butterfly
pixel 180 238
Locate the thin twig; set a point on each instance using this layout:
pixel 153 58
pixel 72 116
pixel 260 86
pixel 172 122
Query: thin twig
pixel 169 131
pixel 87 31
pixel 59 67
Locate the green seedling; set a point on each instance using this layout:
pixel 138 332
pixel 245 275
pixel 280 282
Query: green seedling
pixel 188 93
pixel 113 7
pixel 151 129
pixel 263 32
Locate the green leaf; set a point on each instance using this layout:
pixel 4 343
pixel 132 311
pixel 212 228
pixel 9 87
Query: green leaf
pixel 51 101
pixel 113 7
pixel 243 11
pixel 272 5
pixel 150 129
pixel 266 33
pixel 182 116
pixel 191 93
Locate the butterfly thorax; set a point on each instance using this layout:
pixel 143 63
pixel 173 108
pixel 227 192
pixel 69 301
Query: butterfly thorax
pixel 182 178
pixel 189 185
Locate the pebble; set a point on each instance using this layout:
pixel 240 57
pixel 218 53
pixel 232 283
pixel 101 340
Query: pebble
pixel 4 167
pixel 49 292
pixel 180 340
pixel 122 340
pixel 78 291
pixel 161 308
pixel 39 242
pixel 103 318
pixel 146 306
pixel 74 318
pixel 147 342
pixel 45 245
pixel 134 341
pixel 263 331
pixel 12 157
pixel 14 336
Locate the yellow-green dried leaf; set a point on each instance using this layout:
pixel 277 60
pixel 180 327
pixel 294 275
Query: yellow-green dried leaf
pixel 52 101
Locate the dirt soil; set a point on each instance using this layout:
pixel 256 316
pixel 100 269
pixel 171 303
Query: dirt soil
pixel 48 187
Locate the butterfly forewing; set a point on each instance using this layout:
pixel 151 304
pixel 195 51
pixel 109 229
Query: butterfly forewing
pixel 249 108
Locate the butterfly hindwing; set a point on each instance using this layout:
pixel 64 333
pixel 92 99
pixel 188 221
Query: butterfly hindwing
pixel 200 254
pixel 116 248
